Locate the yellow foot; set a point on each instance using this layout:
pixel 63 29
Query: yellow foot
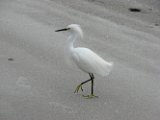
pixel 77 89
pixel 90 96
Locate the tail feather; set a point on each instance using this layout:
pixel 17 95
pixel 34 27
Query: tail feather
pixel 108 68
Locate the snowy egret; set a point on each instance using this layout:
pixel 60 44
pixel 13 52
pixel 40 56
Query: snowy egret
pixel 85 59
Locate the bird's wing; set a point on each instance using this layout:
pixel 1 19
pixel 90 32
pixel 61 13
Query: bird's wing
pixel 90 62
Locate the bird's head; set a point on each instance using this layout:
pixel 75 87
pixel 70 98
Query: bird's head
pixel 73 28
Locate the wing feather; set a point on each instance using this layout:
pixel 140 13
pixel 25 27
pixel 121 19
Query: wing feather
pixel 90 62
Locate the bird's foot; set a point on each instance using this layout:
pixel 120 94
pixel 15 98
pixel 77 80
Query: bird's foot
pixel 90 96
pixel 77 89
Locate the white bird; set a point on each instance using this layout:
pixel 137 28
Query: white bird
pixel 85 59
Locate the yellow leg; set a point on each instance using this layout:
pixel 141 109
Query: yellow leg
pixel 77 89
pixel 92 85
pixel 90 96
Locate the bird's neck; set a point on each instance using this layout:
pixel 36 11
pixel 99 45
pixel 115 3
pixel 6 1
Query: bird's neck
pixel 71 40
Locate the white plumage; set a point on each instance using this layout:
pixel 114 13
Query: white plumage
pixel 90 62
pixel 84 58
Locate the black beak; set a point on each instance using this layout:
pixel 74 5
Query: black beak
pixel 65 29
